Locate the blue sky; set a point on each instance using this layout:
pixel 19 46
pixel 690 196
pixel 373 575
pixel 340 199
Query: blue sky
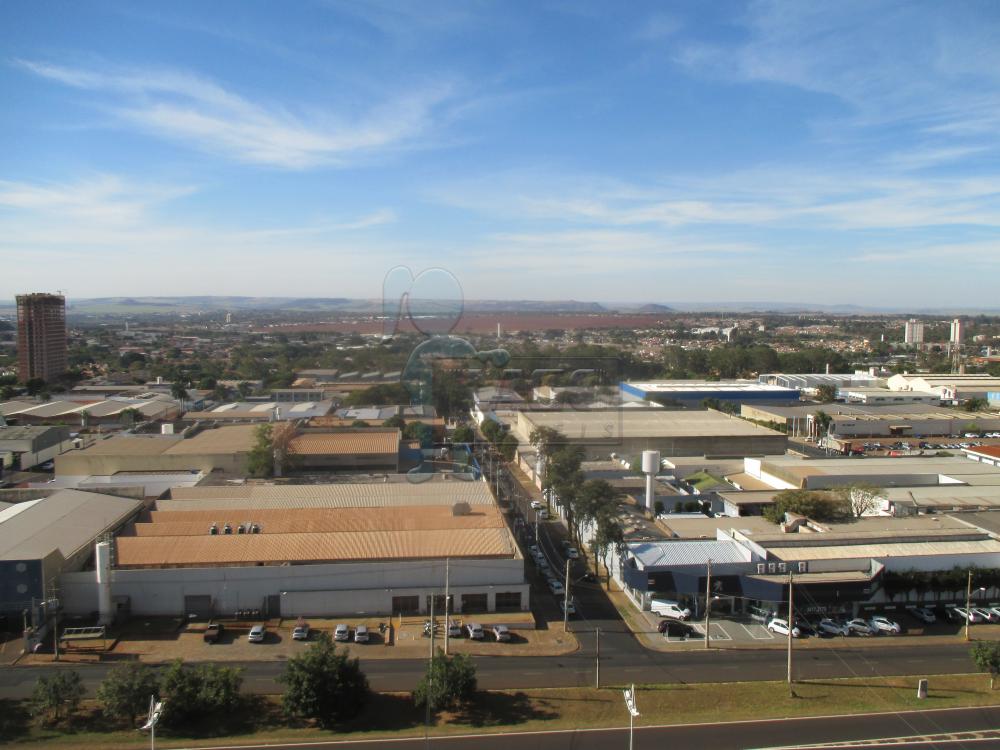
pixel 667 152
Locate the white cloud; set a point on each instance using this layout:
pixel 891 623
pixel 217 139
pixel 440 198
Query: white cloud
pixel 202 113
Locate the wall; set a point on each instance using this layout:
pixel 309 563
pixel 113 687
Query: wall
pixel 162 591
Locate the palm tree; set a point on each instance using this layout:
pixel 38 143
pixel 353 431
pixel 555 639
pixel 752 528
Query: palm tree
pixel 178 389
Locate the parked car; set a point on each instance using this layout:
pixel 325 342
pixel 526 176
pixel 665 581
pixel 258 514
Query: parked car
pixel 567 607
pixel 256 634
pixel 780 626
pixel 668 608
pixel 543 514
pixel 924 614
pixel 830 626
pixel 805 627
pixel 454 629
pixel 556 587
pixel 501 633
pixel 300 632
pixel 572 553
pixel 675 628
pixel 475 631
pixel 537 505
pixel 361 634
pixel 960 613
pixel 882 624
pixel 213 632
pixel 342 632
pixel 859 627
pixel 995 610
pixel 986 614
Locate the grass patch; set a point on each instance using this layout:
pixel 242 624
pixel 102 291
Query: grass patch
pixel 702 481
pixel 393 714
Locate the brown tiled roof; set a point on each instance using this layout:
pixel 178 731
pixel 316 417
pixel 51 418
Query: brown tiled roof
pixel 346 443
pixel 274 549
pixel 318 520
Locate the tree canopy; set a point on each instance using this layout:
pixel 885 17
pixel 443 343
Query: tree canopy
pixel 449 681
pixel 817 505
pixel 324 684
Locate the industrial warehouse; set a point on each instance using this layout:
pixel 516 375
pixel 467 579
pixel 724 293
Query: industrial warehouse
pixel 312 550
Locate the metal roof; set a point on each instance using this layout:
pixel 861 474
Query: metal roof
pixel 243 549
pixel 916 549
pixel 65 521
pixel 659 554
pixel 346 443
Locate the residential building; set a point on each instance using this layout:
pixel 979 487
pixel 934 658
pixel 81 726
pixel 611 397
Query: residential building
pixel 41 336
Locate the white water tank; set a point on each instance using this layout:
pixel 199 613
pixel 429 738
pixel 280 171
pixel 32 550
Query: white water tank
pixel 650 467
pixel 167 429
pixel 102 557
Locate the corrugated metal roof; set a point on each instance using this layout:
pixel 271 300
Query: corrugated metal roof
pixel 305 547
pixel 346 495
pixel 657 554
pixel 834 552
pixel 230 439
pixel 346 443
pixel 66 521
pixel 317 520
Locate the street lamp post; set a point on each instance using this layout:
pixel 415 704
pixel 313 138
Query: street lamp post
pixel 968 603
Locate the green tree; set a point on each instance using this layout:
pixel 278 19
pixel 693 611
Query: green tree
pixel 194 693
pixel 35 386
pixel 449 681
pixel 57 694
pixel 130 417
pixel 124 693
pixel 507 445
pixel 244 389
pixel 260 459
pixel 395 421
pixel 826 393
pixel 491 429
pixel 324 684
pixel 178 389
pixel 359 423
pixel 565 477
pixel 463 434
pixel 976 404
pixel 819 506
pixel 986 655
pixel 419 431
pixel 609 537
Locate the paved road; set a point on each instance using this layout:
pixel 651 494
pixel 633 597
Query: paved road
pixel 618 666
pixel 931 729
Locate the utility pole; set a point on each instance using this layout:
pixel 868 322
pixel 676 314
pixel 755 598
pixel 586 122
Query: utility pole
pixel 430 675
pixel 566 599
pixel 597 643
pixel 968 604
pixel 791 625
pixel 708 606
pixel 447 602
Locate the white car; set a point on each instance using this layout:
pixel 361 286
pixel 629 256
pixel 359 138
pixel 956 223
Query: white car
pixel 556 587
pixel 960 613
pixel 257 633
pixel 543 514
pixel 572 553
pixel 924 614
pixel 475 631
pixel 537 505
pixel 780 626
pixel 568 607
pixel 361 634
pixel 454 630
pixel 300 633
pixel 986 613
pixel 501 633
pixel 882 624
pixel 668 608
pixel 831 627
pixel 342 633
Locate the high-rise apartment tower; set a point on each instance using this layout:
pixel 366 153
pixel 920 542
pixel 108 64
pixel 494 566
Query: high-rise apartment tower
pixel 41 336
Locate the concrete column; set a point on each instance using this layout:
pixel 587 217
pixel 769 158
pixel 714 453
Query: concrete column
pixel 491 601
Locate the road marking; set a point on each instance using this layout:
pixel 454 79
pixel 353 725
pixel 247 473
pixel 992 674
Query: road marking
pixel 917 739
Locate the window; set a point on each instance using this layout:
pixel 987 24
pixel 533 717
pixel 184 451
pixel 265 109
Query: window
pixel 803 567
pixel 782 568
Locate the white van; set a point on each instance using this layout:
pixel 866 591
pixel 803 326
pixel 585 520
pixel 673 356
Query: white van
pixel 667 608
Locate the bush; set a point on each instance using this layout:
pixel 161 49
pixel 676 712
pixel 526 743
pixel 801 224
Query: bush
pixel 658 507
pixel 125 691
pixel 324 684
pixel 194 693
pixel 449 680
pixel 54 693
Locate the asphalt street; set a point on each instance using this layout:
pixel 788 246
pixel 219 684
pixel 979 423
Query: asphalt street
pixel 952 728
